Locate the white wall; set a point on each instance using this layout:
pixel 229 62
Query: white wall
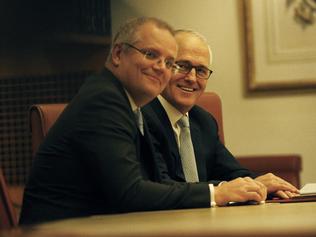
pixel 278 123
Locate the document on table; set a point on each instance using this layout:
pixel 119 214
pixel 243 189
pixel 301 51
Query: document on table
pixel 308 189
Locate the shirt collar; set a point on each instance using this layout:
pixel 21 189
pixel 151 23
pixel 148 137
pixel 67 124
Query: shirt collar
pixel 173 114
pixel 131 101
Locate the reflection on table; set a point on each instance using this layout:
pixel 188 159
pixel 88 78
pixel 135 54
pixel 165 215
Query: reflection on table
pixel 271 219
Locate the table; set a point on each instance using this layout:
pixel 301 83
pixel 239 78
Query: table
pixel 270 219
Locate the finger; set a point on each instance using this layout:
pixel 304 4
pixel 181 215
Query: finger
pixel 291 194
pixel 275 183
pixel 279 184
pixel 259 188
pixel 294 189
pixel 263 192
pixel 288 185
pixel 260 184
pixel 254 196
pixel 248 179
pixel 281 194
pixel 296 194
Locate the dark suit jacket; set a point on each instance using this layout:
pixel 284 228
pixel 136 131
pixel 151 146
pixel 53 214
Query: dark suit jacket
pixel 94 161
pixel 214 162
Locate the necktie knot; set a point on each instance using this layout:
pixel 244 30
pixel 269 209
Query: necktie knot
pixel 184 122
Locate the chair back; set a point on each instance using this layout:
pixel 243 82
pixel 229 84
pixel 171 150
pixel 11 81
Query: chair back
pixel 211 102
pixel 286 166
pixel 8 217
pixel 42 117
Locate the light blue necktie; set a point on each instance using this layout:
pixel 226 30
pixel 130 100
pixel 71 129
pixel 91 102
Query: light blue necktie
pixel 187 152
pixel 139 120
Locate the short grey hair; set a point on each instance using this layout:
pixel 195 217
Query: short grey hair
pixel 199 36
pixel 128 32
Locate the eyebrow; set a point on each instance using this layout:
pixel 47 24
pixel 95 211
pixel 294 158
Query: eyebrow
pixel 159 52
pixel 189 62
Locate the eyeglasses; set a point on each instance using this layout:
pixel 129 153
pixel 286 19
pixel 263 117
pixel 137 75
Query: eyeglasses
pixel 153 55
pixel 185 67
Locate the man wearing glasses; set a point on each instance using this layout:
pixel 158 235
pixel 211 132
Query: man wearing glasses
pixel 193 153
pixel 97 158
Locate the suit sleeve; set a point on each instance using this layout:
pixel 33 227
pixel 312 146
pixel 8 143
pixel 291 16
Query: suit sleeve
pixel 226 165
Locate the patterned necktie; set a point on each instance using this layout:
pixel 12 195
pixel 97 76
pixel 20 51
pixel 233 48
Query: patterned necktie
pixel 139 120
pixel 187 152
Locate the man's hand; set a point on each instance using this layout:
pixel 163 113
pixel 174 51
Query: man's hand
pixel 278 186
pixel 240 190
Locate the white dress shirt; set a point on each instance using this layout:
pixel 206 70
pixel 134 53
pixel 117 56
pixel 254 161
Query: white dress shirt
pixel 174 115
pixel 131 101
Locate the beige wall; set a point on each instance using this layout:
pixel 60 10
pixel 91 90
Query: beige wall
pixel 277 123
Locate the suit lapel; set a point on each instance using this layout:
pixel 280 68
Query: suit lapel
pixel 148 154
pixel 165 122
pixel 174 160
pixel 144 147
pixel 197 146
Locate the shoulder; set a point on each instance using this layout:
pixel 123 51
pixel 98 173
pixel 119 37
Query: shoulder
pixel 200 115
pixel 152 106
pixel 102 89
pixel 101 100
pixel 154 112
pixel 103 83
pixel 157 119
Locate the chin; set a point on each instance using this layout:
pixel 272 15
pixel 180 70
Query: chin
pixel 152 92
pixel 186 101
pixel 184 106
pixel 154 86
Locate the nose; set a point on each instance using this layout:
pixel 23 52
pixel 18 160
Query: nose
pixel 160 64
pixel 191 76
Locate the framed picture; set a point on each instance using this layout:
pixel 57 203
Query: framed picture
pixel 281 44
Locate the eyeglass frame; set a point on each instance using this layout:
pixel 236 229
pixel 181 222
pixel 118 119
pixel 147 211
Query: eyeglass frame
pixel 191 66
pixel 146 53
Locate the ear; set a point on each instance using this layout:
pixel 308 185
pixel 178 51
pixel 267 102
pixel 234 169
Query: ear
pixel 116 54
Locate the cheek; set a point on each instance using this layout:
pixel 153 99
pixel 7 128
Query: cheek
pixel 174 80
pixel 137 66
pixel 202 85
pixel 173 87
pixel 167 77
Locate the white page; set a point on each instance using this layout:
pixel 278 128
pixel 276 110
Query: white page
pixel 309 189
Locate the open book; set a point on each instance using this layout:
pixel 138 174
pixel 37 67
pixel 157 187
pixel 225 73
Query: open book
pixel 307 194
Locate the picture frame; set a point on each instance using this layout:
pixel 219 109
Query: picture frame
pixel 280 44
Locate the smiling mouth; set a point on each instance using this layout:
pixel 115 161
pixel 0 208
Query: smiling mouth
pixel 186 89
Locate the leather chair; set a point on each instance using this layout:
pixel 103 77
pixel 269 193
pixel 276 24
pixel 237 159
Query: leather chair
pixel 286 166
pixel 42 117
pixel 8 218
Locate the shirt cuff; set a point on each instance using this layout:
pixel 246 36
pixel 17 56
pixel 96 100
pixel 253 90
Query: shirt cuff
pixel 212 195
